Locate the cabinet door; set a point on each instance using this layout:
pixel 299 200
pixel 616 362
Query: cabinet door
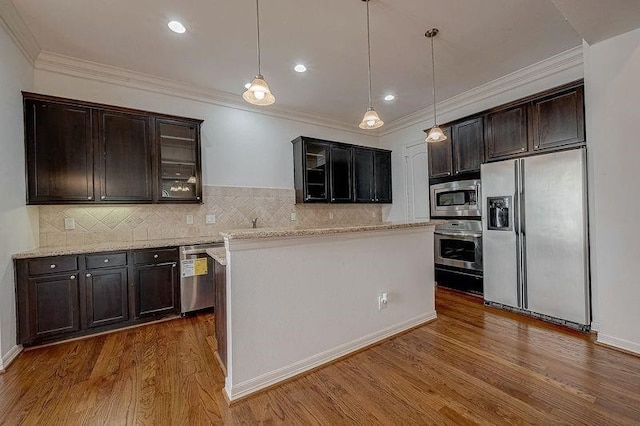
pixel 467 141
pixel 315 171
pixel 156 290
pixel 53 306
pixel 341 174
pixel 364 185
pixel 558 120
pixel 506 133
pixel 440 157
pixel 179 161
pixel 220 310
pixel 124 155
pixel 383 177
pixel 106 297
pixel 59 151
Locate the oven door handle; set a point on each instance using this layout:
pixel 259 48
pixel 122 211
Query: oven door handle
pixel 458 234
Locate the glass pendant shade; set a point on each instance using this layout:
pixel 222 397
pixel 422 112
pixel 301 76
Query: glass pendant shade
pixel 435 135
pixel 258 93
pixel 371 120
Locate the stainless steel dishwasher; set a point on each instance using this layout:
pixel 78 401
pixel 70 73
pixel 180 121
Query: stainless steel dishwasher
pixel 197 286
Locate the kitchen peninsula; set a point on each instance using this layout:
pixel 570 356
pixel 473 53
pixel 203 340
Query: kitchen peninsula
pixel 299 298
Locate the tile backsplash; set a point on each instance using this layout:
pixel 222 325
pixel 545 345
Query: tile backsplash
pixel 233 207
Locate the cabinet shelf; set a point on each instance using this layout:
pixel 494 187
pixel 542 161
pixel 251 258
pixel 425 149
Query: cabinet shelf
pixel 177 138
pixel 178 163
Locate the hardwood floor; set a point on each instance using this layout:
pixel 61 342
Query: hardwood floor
pixel 474 365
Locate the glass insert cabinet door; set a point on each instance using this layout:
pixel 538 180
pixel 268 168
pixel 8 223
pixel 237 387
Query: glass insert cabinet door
pixel 316 165
pixel 179 161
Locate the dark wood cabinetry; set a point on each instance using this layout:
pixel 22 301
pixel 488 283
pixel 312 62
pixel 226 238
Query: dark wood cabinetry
pixel 81 152
pixel 156 283
pixel 335 172
pixel 467 146
pixel 558 120
pixel 506 133
pixel 62 297
pixel 440 160
pixel 220 277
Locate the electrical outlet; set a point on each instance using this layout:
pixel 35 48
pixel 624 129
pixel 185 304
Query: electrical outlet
pixel 383 300
pixel 331 215
pixel 210 218
pixel 293 216
pixel 189 219
pixel 373 214
pixel 69 223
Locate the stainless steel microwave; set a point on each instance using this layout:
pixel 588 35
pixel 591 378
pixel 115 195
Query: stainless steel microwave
pixel 459 198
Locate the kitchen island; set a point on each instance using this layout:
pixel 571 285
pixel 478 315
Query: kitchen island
pixel 295 299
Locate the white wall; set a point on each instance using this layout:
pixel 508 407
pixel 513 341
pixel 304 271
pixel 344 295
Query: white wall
pixel 612 70
pixel 20 226
pixel 239 148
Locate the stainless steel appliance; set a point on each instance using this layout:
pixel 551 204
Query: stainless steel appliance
pixel 459 198
pixel 458 243
pixel 535 236
pixel 196 278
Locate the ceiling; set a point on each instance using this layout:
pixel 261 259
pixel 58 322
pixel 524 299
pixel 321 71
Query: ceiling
pixel 479 41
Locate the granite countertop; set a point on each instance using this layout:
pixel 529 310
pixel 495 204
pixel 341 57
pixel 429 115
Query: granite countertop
pixel 114 246
pixel 219 254
pixel 300 232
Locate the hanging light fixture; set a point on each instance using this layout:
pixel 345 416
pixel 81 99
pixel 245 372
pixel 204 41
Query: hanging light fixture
pixel 371 119
pixel 258 92
pixel 435 133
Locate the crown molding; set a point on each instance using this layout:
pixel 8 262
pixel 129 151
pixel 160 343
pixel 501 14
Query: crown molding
pixel 66 65
pixel 569 62
pixel 13 23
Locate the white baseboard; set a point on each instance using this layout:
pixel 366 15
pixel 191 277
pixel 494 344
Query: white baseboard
pixel 619 343
pixel 9 356
pixel 271 378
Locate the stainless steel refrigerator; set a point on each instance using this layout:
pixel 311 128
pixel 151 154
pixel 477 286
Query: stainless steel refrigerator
pixel 535 238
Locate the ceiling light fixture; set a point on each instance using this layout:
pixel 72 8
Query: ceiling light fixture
pixel 300 68
pixel 177 27
pixel 435 133
pixel 371 120
pixel 258 92
pixel 389 97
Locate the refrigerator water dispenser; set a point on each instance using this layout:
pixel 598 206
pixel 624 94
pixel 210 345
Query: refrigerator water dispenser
pixel 498 219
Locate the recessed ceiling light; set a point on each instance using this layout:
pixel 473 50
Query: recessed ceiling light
pixel 300 68
pixel 176 27
pixel 246 86
pixel 389 97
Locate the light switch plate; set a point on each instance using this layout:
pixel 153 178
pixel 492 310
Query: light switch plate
pixel 331 215
pixel 210 218
pixel 293 216
pixel 189 219
pixel 69 223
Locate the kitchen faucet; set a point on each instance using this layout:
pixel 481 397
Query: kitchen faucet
pixel 255 222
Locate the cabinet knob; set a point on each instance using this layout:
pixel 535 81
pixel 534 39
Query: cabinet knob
pixel 52 266
pixel 155 256
pixel 73 277
pixel 173 265
pixel 88 275
pixel 104 197
pixel 89 198
pixel 197 198
pixel 106 261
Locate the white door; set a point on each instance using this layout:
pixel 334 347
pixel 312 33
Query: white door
pixel 417 177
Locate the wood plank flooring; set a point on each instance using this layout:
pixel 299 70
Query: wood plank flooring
pixel 474 365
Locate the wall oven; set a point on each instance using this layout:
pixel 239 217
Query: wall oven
pixel 459 198
pixel 458 243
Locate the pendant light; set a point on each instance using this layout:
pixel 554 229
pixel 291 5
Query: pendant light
pixel 258 92
pixel 371 119
pixel 435 133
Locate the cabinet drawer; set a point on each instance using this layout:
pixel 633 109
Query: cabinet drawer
pixel 155 256
pixel 106 260
pixel 51 265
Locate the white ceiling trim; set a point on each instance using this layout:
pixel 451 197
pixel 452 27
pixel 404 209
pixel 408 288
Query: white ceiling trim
pixel 60 64
pixel 569 63
pixel 12 22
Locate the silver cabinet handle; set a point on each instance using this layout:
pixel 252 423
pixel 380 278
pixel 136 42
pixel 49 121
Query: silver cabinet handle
pixel 73 277
pixel 155 256
pixel 52 266
pixel 106 261
pixel 88 275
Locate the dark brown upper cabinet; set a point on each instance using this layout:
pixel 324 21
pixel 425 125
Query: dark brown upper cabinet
pixel 558 120
pixel 506 133
pixel 58 153
pixel 440 161
pixel 335 172
pixel 124 157
pixel 467 142
pixel 82 152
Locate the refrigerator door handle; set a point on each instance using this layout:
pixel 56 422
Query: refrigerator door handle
pixel 516 229
pixel 523 235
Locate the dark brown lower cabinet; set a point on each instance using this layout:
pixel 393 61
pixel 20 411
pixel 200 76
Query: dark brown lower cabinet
pixel 53 306
pixel 106 297
pixel 220 278
pixel 156 290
